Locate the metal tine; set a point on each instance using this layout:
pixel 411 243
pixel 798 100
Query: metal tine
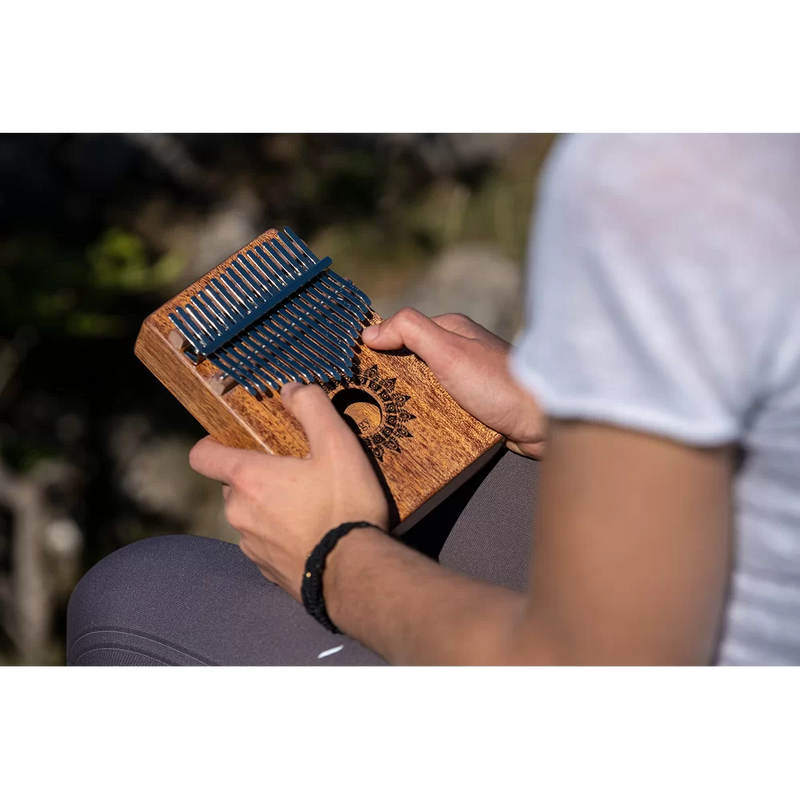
pixel 265 361
pixel 331 333
pixel 285 367
pixel 199 304
pixel 231 303
pixel 312 310
pixel 295 262
pixel 227 280
pixel 333 310
pixel 273 272
pixel 353 298
pixel 229 292
pixel 270 261
pixel 250 289
pixel 330 350
pixel 267 265
pixel 186 324
pixel 308 314
pixel 280 348
pixel 345 296
pixel 340 345
pixel 257 287
pixel 270 358
pixel 293 242
pixel 272 265
pixel 273 377
pixel 272 257
pixel 274 374
pixel 223 361
pixel 235 277
pixel 282 255
pixel 277 350
pixel 267 341
pixel 185 332
pixel 301 251
pixel 297 241
pixel 243 373
pixel 322 362
pixel 219 301
pixel 274 326
pixel 350 287
pixel 199 320
pixel 335 299
pixel 251 278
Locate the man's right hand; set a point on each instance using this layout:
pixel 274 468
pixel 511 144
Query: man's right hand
pixel 471 364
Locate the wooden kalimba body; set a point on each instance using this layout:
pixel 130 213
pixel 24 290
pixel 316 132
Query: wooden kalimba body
pixel 273 313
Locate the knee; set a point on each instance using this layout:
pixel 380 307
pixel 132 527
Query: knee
pixel 134 585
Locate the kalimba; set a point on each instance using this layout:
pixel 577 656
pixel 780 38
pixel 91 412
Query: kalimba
pixel 273 313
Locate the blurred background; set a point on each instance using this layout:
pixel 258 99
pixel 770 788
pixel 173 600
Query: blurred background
pixel 96 231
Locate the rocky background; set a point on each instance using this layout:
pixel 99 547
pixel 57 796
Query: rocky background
pixel 98 230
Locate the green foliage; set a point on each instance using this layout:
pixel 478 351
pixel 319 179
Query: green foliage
pixel 66 292
pixel 119 262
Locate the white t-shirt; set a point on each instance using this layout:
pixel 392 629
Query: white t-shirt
pixel 665 297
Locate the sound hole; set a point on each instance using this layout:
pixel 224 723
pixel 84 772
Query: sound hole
pixel 361 410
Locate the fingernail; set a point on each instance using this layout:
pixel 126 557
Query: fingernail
pixel 370 334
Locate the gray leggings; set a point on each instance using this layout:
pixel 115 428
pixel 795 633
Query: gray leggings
pixel 187 600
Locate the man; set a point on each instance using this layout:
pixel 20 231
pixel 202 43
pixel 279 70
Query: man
pixel 663 353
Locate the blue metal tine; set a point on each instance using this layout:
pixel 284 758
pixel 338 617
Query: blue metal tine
pixel 274 257
pixel 304 307
pixel 282 348
pixel 210 313
pixel 277 326
pixel 303 335
pixel 199 305
pixel 267 361
pixel 200 319
pixel 325 321
pixel 325 278
pixel 311 342
pixel 189 324
pixel 261 339
pixel 220 358
pixel 301 250
pixel 320 330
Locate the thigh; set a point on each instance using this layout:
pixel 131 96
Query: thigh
pixel 485 529
pixel 187 600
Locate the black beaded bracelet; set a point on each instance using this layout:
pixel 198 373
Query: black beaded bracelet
pixel 313 598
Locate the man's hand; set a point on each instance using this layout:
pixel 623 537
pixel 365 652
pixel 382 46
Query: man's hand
pixel 471 363
pixel 283 506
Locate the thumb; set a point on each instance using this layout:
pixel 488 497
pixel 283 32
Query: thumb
pixel 412 329
pixel 323 426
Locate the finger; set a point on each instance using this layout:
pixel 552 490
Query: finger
pixel 220 463
pixel 412 329
pixel 323 425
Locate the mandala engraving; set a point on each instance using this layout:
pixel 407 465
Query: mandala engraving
pixel 394 415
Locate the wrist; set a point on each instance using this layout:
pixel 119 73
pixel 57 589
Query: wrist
pixel 352 554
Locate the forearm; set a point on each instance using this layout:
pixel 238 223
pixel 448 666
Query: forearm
pixel 411 610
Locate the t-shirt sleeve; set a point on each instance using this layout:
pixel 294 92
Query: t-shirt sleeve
pixel 646 307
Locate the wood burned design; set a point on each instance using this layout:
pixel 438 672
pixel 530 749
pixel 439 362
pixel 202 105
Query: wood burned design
pixel 394 415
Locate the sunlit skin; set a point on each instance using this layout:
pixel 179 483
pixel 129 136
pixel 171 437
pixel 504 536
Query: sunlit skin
pixel 632 531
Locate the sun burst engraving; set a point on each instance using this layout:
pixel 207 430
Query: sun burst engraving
pixel 394 414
